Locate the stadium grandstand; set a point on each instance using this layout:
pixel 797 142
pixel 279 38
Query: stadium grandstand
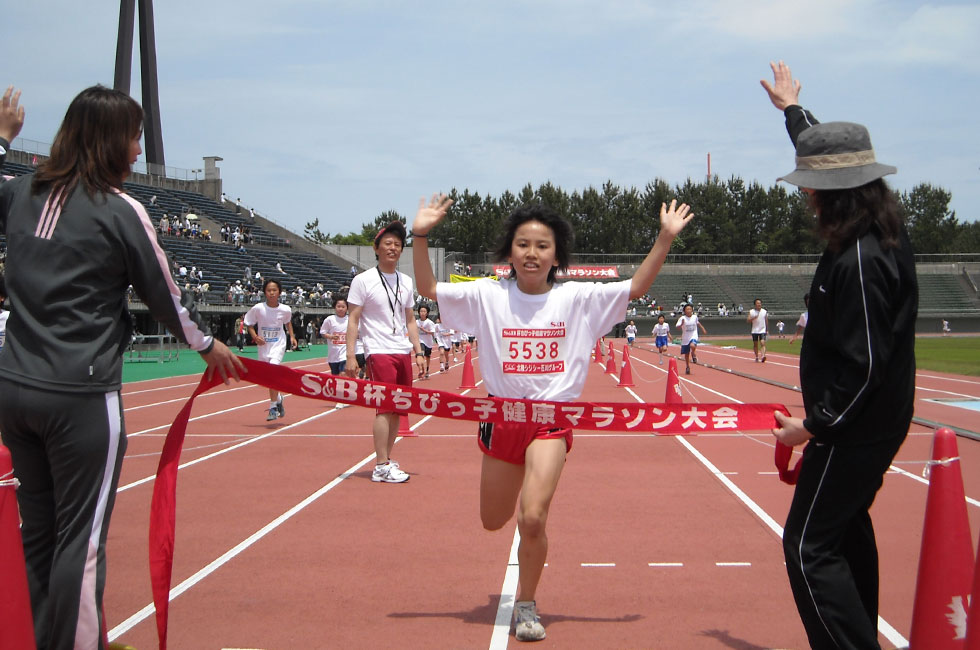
pixel 719 285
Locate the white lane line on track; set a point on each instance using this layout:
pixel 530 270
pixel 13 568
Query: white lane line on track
pixel 884 627
pixel 598 564
pixel 733 564
pixel 508 591
pixel 665 564
pixel 245 443
pixel 148 611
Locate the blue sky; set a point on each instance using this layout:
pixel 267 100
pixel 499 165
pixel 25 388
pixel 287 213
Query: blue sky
pixel 340 110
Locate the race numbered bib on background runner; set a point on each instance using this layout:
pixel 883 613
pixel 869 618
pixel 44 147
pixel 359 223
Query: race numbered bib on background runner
pixel 533 351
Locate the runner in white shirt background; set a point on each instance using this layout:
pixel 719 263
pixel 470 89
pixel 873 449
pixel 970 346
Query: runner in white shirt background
pixel 759 318
pixel 536 336
pixel 4 314
pixel 265 322
pixel 631 333
pixel 689 324
pixel 661 336
pixel 804 317
pixel 427 330
pixel 334 330
pixel 442 339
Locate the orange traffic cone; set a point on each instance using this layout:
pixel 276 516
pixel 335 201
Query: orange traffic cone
pixel 404 428
pixel 611 363
pixel 973 620
pixel 626 375
pixel 673 395
pixel 942 588
pixel 16 624
pixel 468 381
pixel 598 353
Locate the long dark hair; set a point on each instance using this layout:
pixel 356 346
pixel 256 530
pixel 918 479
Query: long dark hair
pixel 843 216
pixel 564 235
pixel 91 147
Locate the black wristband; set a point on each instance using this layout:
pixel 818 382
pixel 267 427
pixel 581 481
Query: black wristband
pixel 416 235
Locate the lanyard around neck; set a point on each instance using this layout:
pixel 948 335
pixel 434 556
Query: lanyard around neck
pixel 391 305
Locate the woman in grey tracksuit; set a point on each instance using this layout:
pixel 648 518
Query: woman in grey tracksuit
pixel 75 242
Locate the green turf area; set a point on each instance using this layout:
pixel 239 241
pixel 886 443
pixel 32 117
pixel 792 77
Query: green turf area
pixel 955 354
pixel 190 363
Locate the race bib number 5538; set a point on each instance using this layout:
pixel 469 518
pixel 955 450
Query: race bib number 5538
pixel 528 351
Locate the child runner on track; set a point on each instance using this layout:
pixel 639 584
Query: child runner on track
pixel 334 329
pixel 689 324
pixel 270 317
pixel 661 336
pixel 522 463
pixel 426 339
pixel 442 338
pixel 631 333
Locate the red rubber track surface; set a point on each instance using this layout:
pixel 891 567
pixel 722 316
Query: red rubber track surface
pixel 649 548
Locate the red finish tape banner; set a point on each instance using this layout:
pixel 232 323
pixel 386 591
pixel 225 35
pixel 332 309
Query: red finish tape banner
pixel 659 419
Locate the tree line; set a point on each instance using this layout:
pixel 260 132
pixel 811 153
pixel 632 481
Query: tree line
pixel 732 217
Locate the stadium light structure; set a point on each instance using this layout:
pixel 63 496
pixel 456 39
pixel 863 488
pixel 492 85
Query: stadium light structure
pixel 152 131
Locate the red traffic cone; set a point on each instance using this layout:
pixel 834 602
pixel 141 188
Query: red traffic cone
pixel 16 624
pixel 673 395
pixel 468 381
pixel 626 375
pixel 973 620
pixel 404 428
pixel 598 352
pixel 942 588
pixel 611 363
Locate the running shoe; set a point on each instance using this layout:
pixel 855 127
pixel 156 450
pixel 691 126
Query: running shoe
pixel 694 358
pixel 527 625
pixel 273 413
pixel 687 371
pixel 281 408
pixel 763 358
pixel 389 473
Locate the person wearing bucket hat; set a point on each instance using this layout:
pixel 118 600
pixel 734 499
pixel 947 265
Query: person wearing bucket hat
pixel 381 313
pixel 857 373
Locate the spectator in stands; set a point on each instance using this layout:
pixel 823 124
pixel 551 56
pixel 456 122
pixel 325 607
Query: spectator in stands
pixel 238 205
pixel 279 268
pixel 857 372
pixel 381 313
pixel 61 412
pixel 804 317
pixel 164 225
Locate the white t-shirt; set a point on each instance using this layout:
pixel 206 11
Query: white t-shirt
pixel 268 323
pixel 383 327
pixel 804 317
pixel 335 326
pixel 661 329
pixel 426 329
pixel 4 315
pixel 689 328
pixel 442 336
pixel 631 331
pixel 760 323
pixel 534 346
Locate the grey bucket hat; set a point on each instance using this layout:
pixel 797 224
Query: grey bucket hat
pixel 835 156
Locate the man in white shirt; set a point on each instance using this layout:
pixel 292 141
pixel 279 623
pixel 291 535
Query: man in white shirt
pixel 804 317
pixel 381 313
pixel 759 318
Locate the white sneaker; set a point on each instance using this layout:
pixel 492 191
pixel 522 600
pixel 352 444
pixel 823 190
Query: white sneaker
pixel 527 625
pixel 389 473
